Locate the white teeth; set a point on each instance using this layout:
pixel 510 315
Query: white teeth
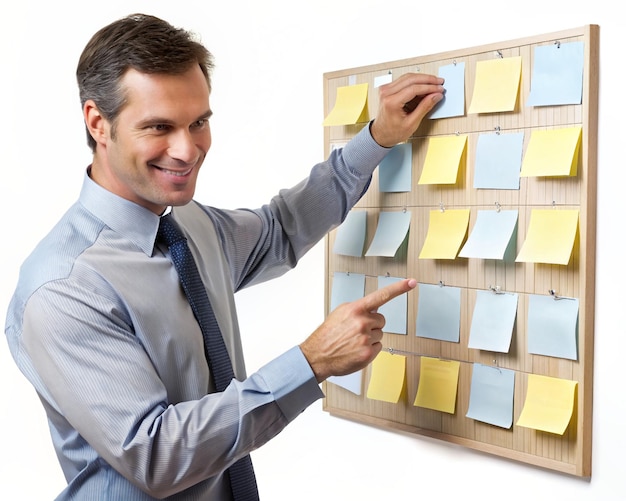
pixel 176 173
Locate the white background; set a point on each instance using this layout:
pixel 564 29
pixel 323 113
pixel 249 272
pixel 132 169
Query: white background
pixel 267 133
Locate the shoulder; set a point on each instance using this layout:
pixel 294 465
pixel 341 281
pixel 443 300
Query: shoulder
pixel 55 255
pixel 196 219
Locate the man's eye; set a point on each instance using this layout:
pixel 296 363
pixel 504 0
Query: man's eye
pixel 200 123
pixel 159 127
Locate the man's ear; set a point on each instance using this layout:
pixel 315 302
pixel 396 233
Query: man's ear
pixel 95 122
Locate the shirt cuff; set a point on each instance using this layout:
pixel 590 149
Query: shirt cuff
pixel 363 154
pixel 292 382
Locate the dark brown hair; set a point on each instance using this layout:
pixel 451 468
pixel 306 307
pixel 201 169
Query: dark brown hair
pixel 142 42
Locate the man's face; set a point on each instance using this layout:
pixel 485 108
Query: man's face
pixel 161 138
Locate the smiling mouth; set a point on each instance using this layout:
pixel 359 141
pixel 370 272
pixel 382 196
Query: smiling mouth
pixel 174 172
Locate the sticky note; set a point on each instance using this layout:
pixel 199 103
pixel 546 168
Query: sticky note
pixel 394 172
pixel 549 404
pixel 552 326
pixel 496 86
pixel 552 152
pixel 350 106
pixel 391 232
pixel 351 382
pixel 350 235
pixel 438 312
pixel 437 385
pixel 491 395
pixel 388 377
pixel 444 159
pixel 447 230
pixel 557 76
pixel 492 236
pixel 498 161
pixel 453 102
pixel 493 320
pixel 550 237
pixel 346 287
pixel 383 79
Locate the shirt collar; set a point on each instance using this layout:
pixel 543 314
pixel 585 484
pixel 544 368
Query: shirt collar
pixel 136 223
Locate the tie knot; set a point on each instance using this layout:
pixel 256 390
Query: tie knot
pixel 168 232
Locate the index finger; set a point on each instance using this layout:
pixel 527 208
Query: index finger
pixel 377 298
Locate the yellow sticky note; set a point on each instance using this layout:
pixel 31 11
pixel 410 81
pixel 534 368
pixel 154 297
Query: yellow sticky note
pixel 549 404
pixel 350 106
pixel 552 152
pixel 496 85
pixel 388 375
pixel 446 233
pixel 437 384
pixel 550 237
pixel 444 157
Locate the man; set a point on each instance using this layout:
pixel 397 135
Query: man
pixel 99 322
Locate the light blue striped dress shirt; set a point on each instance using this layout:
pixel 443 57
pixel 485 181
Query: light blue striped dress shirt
pixel 101 328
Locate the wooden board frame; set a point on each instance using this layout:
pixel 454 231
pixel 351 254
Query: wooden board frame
pixel 571 452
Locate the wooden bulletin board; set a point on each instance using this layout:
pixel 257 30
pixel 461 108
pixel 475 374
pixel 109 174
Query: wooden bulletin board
pixel 570 452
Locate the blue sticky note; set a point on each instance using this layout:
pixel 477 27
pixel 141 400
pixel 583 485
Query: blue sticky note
pixel 453 102
pixel 350 235
pixel 493 321
pixel 392 230
pixel 439 312
pixel 351 382
pixel 491 395
pixel 493 235
pixel 498 161
pixel 553 326
pixel 394 172
pixel 346 287
pixel 557 76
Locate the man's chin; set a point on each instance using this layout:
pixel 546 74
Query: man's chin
pixel 180 201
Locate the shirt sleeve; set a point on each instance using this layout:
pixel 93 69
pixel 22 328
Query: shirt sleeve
pixel 104 386
pixel 278 234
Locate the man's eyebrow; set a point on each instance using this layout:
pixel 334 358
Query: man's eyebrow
pixel 155 119
pixel 206 114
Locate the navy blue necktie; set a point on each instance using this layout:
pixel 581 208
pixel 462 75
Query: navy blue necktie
pixel 241 473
